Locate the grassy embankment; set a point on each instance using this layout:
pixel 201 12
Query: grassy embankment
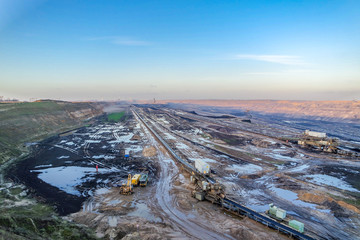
pixel 38 221
pixel 27 122
pixel 115 117
pixel 22 217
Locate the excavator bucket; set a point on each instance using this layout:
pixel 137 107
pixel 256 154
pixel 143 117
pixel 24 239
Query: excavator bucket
pixel 126 189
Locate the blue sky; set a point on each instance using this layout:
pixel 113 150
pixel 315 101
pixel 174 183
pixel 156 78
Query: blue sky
pixel 81 50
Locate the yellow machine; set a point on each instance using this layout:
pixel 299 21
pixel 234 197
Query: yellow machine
pixel 126 189
pixel 135 179
pixel 144 179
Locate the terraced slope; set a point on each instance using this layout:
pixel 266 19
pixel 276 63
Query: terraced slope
pixel 26 122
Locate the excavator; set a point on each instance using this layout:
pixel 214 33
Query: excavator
pixel 126 189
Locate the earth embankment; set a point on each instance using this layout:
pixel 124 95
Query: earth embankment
pixel 27 122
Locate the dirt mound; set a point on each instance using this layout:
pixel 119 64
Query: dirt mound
pixel 348 206
pixel 313 198
pixel 149 152
pixel 328 201
pixel 260 143
pixel 136 138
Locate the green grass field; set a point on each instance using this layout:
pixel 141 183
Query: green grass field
pixel 115 117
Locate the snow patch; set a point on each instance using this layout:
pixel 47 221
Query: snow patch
pixel 125 138
pixel 169 136
pixel 44 166
pixel 244 169
pixel 106 157
pixel 92 141
pixel 281 157
pixel 299 168
pixel 181 145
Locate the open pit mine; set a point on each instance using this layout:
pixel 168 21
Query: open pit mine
pixel 178 171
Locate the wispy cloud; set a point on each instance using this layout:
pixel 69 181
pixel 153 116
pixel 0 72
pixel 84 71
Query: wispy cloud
pixel 284 72
pixel 281 59
pixel 120 40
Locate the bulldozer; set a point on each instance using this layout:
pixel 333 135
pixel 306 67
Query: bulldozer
pixel 126 189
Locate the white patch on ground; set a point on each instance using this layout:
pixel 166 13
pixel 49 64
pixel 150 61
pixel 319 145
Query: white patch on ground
pixel 181 145
pixel 125 138
pixel 299 168
pixel 163 120
pixel 23 202
pixel 271 141
pixel 134 148
pixel 70 143
pixel 169 136
pixel 244 169
pixel 280 167
pixel 112 220
pixel 198 131
pixel 103 156
pixel 44 166
pixel 92 141
pixel 281 157
pixel 350 170
pixel 62 157
pixel 100 191
pixel 104 131
pixel 328 211
pixel 323 179
pixel 114 202
pixel 66 178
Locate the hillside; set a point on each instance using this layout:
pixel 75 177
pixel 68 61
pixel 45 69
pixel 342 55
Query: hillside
pixel 27 122
pixel 344 110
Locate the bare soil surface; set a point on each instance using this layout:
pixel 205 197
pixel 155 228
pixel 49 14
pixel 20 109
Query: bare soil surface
pixel 262 169
pixel 257 167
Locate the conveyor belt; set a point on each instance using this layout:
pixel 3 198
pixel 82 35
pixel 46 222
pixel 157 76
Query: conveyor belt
pixel 188 166
pixel 265 220
pixel 228 203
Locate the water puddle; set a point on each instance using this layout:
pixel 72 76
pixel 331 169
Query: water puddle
pixel 142 210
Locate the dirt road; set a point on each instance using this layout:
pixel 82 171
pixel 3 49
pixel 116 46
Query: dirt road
pixel 165 203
